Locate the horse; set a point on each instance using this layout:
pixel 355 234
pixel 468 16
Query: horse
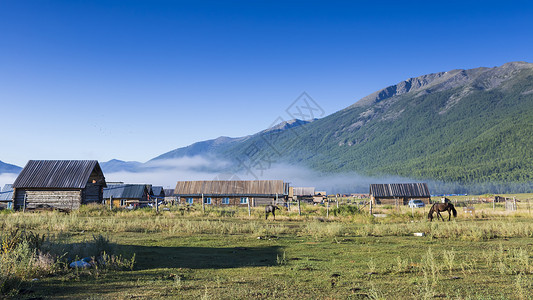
pixel 271 209
pixel 440 207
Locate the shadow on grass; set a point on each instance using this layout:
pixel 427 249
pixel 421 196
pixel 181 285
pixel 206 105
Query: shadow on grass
pixel 151 262
pixel 154 257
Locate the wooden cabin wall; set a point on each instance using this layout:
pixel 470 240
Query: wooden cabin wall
pixel 233 201
pixel 93 193
pixel 61 199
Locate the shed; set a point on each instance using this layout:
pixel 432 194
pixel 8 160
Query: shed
pixel 127 194
pixel 60 184
pixel 232 192
pixel 399 193
pixel 6 200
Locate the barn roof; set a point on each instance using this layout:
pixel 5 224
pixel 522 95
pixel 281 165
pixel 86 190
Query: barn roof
pixel 6 196
pixel 8 187
pixel 231 187
pixel 303 191
pixel 128 191
pixel 57 174
pixel 158 191
pixel 169 192
pixel 399 190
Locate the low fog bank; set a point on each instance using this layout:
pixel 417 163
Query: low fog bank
pixel 7 178
pixel 167 172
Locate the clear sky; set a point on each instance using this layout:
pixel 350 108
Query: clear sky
pixel 134 79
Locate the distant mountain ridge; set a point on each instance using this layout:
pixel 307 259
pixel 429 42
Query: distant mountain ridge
pixel 210 148
pixel 9 168
pixel 223 143
pixel 480 78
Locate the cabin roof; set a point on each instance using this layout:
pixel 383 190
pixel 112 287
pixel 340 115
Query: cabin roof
pixel 230 187
pixel 158 191
pixel 7 187
pixel 303 191
pixel 6 196
pixel 399 190
pixel 57 174
pixel 127 191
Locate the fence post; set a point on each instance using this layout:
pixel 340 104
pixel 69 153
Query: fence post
pixel 370 207
pixel 337 200
pixel 110 202
pixel 327 207
pixel 203 204
pixel 299 209
pixel 24 204
pixel 249 211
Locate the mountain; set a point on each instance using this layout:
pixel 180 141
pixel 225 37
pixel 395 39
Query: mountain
pixel 215 146
pixel 462 126
pixel 222 144
pixel 116 165
pixel 8 168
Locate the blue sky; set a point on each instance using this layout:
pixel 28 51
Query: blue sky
pixel 134 79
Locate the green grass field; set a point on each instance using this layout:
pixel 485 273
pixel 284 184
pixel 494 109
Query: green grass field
pixel 229 255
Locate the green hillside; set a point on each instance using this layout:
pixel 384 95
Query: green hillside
pixel 472 126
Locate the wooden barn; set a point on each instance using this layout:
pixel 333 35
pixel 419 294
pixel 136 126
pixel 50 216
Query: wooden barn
pixel 60 184
pixel 399 193
pixel 123 195
pixel 231 192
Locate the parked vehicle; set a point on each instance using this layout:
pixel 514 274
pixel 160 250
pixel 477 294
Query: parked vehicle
pixel 416 203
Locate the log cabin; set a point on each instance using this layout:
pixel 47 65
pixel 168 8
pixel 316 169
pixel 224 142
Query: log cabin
pixel 58 184
pixel 231 192
pixel 399 193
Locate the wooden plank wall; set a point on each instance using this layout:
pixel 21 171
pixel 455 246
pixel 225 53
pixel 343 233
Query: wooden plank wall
pixel 63 199
pixel 233 201
pixel 92 193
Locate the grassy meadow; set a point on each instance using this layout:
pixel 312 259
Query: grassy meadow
pixel 227 254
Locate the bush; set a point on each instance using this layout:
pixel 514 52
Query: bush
pixel 346 210
pixel 25 255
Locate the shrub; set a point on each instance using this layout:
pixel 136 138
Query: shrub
pixel 345 210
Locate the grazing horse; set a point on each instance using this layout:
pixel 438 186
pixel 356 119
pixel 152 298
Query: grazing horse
pixel 440 207
pixel 271 209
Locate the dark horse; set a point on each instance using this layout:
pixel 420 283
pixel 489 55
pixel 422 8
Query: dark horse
pixel 271 209
pixel 440 207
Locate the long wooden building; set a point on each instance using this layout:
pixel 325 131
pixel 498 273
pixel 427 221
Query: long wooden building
pixel 399 193
pixel 231 192
pixel 61 184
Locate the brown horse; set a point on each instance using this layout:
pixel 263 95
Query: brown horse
pixel 271 209
pixel 440 207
